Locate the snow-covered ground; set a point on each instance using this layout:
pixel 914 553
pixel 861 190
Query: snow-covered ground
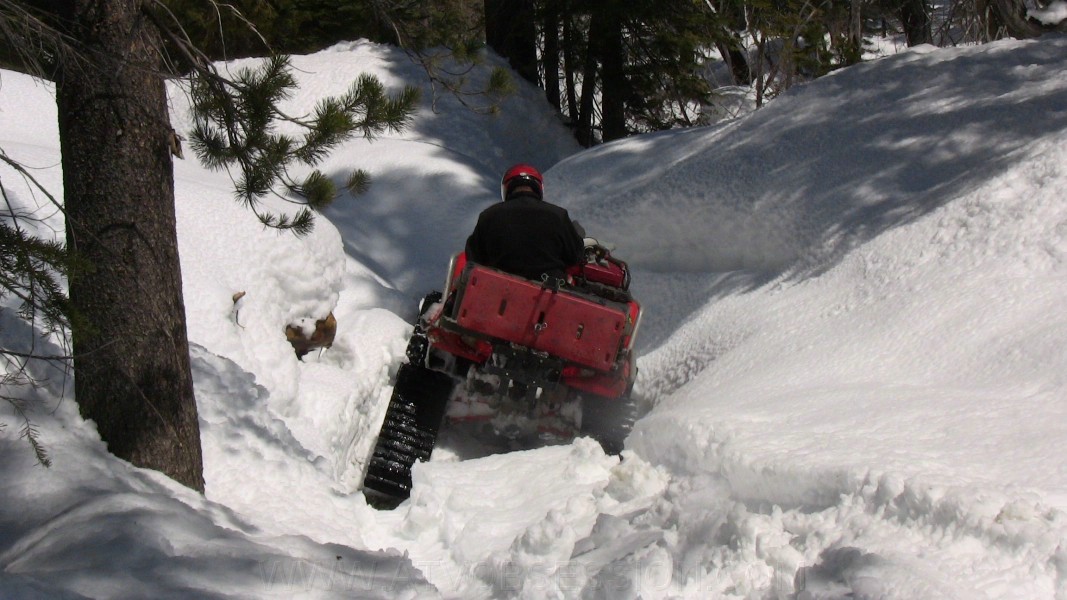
pixel 854 350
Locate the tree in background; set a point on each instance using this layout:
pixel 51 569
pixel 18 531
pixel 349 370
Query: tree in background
pixel 511 31
pixel 615 68
pixel 445 37
pixel 245 28
pixel 915 21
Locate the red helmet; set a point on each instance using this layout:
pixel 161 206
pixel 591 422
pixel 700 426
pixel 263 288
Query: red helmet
pixel 522 174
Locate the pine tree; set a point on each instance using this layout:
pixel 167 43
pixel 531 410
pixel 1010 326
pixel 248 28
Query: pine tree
pixel 510 30
pixel 629 66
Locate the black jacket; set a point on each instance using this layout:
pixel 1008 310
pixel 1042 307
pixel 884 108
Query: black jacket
pixel 526 236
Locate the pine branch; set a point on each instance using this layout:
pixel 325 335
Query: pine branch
pixel 317 190
pixel 28 430
pixel 358 182
pixel 30 268
pixel 234 129
pixel 419 26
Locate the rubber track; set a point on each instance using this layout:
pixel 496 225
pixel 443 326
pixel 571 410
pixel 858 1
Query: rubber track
pixel 608 420
pixel 409 430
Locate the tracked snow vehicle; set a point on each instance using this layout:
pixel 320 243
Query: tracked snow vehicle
pixel 534 362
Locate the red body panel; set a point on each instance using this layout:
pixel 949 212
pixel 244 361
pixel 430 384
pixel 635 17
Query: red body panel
pixel 561 324
pixel 592 335
pixel 472 349
pixel 608 272
pixel 612 385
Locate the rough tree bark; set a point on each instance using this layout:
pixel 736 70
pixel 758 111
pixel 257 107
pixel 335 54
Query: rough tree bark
pixel 132 372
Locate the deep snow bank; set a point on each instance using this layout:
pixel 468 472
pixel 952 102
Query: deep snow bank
pixel 890 340
pixel 824 167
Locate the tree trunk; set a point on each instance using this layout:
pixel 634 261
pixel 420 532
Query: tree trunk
pixel 855 29
pixel 510 30
pixel 731 47
pixel 915 15
pixel 613 76
pixel 734 55
pixel 550 59
pixel 570 67
pixel 584 130
pixel 132 373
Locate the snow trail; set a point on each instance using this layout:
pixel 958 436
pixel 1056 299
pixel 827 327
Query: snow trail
pixel 853 352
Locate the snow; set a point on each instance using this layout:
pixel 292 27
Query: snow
pixel 853 353
pixel 1051 15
